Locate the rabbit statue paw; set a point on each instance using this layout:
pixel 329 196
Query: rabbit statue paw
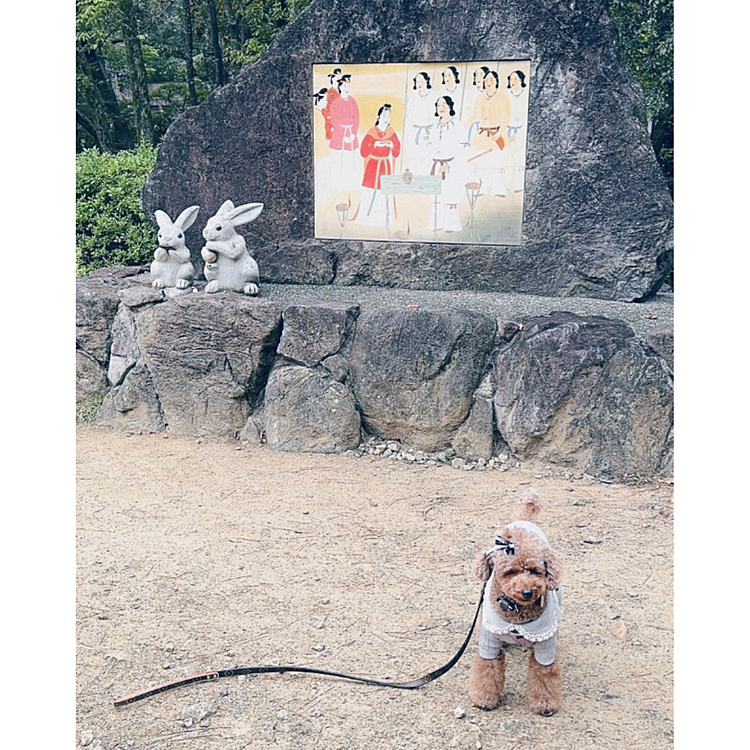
pixel 229 266
pixel 171 266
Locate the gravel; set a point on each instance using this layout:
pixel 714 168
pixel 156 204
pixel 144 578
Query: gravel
pixel 641 316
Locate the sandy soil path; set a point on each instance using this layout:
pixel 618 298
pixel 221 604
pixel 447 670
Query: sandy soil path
pixel 198 555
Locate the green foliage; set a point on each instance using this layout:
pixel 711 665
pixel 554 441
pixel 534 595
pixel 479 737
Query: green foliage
pixel 264 20
pixel 646 31
pixel 86 411
pixel 111 228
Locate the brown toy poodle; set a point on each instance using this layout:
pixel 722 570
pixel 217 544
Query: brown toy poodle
pixel 521 606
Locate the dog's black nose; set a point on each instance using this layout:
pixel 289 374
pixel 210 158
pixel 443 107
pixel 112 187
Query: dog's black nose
pixel 527 594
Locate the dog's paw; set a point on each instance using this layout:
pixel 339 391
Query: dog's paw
pixel 484 699
pixel 546 707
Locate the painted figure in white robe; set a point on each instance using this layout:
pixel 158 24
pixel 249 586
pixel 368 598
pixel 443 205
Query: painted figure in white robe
pixel 448 147
pixel 420 119
pixel 515 154
pixel 452 86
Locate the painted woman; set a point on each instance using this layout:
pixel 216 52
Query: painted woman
pixel 331 93
pixel 492 111
pixel 451 86
pixel 323 193
pixel 471 95
pixel 515 156
pixel 420 104
pixel 380 148
pixel 344 140
pixel 448 147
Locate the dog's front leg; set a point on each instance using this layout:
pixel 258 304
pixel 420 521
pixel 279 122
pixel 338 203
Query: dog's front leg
pixel 544 687
pixel 487 681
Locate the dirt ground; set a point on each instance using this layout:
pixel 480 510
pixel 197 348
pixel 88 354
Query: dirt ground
pixel 207 555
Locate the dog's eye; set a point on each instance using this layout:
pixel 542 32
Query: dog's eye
pixel 509 573
pixel 535 571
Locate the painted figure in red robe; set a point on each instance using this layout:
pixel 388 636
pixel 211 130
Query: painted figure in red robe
pixel 380 148
pixel 344 141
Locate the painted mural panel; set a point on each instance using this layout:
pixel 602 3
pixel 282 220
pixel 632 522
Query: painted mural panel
pixel 421 152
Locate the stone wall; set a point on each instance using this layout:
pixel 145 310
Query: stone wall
pixel 573 391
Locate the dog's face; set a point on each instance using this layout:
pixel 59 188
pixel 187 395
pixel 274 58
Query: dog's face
pixel 523 577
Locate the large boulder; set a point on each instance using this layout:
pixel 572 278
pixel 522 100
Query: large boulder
pixel 309 411
pixel 97 303
pixel 583 392
pixel 96 307
pixel 597 211
pixel 316 330
pixel 209 357
pixel 133 404
pixel 414 372
pixel 91 379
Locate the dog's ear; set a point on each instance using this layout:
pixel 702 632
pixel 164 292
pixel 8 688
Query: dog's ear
pixel 483 566
pixel 552 569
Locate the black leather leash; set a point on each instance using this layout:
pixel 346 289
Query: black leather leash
pixel 216 674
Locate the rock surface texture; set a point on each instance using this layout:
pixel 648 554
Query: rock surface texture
pixel 583 392
pixel 209 358
pixel 580 392
pixel 414 372
pixel 597 212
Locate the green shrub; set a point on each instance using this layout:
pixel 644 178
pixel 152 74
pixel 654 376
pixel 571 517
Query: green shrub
pixel 111 228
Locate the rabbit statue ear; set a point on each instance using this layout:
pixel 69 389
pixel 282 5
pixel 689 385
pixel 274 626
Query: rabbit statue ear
pixel 225 208
pixel 163 220
pixel 245 213
pixel 187 217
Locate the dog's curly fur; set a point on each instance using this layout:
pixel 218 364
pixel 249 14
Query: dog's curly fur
pixel 525 577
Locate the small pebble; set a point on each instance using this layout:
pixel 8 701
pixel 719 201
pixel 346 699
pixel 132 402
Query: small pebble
pixel 282 714
pixel 459 712
pixel 319 647
pixel 87 737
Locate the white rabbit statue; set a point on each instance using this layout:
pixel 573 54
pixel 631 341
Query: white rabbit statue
pixel 171 266
pixel 228 263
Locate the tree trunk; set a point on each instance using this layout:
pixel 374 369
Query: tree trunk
pixel 98 111
pixel 233 24
pixel 215 43
pixel 137 70
pixel 190 69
